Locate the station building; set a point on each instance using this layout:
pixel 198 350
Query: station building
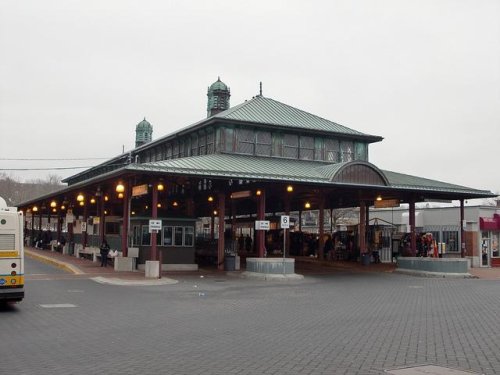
pixel 209 182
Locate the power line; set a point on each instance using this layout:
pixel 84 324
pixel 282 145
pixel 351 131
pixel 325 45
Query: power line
pixel 51 159
pixel 61 168
pixel 40 169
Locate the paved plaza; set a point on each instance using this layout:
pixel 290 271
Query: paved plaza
pixel 332 322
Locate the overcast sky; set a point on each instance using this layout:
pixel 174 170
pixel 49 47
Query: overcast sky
pixel 77 76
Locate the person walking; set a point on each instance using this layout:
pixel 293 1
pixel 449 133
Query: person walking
pixel 104 253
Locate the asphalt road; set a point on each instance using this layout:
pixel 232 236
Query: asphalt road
pixel 337 324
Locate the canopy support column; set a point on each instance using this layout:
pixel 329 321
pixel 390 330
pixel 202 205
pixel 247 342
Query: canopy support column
pixel 154 215
pixel 362 228
pixel 220 243
pixel 321 229
pixel 413 234
pixel 261 215
pixel 126 219
pixel 462 229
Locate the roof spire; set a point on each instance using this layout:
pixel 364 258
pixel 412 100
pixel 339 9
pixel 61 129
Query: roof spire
pixel 260 91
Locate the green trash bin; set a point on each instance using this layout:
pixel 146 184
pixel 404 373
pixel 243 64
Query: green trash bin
pixel 229 263
pixel 365 259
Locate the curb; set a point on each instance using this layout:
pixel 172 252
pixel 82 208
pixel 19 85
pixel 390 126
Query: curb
pixel 117 281
pixel 271 277
pixel 48 260
pixel 450 275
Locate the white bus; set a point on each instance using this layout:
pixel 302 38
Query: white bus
pixel 11 254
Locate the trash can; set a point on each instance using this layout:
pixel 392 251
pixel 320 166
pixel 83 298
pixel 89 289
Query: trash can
pixel 365 259
pixel 229 263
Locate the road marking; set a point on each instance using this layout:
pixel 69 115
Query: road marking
pixel 57 305
pixel 75 291
pixel 429 370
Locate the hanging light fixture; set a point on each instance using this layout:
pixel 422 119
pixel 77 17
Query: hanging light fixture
pixel 80 197
pixel 175 204
pixel 307 205
pixel 35 208
pixel 120 195
pixel 258 192
pixel 160 187
pixel 92 200
pixel 210 198
pixel 289 188
pixel 53 204
pixel 120 188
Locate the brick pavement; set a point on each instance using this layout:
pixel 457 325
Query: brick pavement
pixel 338 323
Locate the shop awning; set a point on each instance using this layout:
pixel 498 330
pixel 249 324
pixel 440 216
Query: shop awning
pixel 490 223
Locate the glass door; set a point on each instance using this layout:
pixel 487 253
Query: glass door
pixel 485 250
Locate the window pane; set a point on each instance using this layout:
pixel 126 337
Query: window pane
pixel 210 142
pixel 361 151
pixel 346 147
pixel 306 148
pixel 318 149
pixel 332 150
pixel 167 236
pixel 202 143
pixel 194 145
pixel 146 236
pixel 277 144
pixel 291 146
pixel 136 236
pixel 188 236
pixel 450 238
pixel 178 236
pixel 228 139
pixel 246 141
pixel 263 143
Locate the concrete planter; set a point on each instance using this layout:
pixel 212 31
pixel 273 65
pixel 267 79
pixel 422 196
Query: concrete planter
pixel 152 270
pixel 124 264
pixel 271 268
pixel 441 267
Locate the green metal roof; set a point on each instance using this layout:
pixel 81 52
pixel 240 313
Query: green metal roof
pixel 218 85
pixel 300 171
pixel 268 111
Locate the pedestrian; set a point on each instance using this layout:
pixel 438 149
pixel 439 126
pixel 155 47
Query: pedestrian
pixel 104 253
pixel 248 243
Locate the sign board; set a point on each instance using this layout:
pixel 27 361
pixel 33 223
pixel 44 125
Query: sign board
pixel 241 194
pixel 262 225
pixel 285 222
pixel 386 203
pixel 139 190
pixel 97 220
pixel 154 225
pixel 84 226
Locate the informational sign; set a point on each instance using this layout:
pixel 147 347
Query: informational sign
pixel 262 225
pixel 97 220
pixel 387 203
pixel 241 194
pixel 154 225
pixel 84 226
pixel 139 190
pixel 285 222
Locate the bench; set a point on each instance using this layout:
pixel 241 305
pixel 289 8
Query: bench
pixel 92 253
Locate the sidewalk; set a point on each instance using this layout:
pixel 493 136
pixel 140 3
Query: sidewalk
pixel 82 266
pixel 303 265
